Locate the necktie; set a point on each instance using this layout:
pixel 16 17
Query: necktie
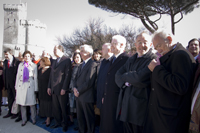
pixel 83 64
pixel 114 58
pixel 8 64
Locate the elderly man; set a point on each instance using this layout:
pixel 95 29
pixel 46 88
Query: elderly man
pixel 134 80
pixel 193 47
pixel 58 87
pixel 84 90
pixel 170 98
pixel 108 123
pixel 101 79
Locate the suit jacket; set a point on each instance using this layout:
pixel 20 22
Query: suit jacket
pixel 133 100
pixel 170 98
pixel 60 75
pixel 109 124
pixel 9 74
pixel 85 81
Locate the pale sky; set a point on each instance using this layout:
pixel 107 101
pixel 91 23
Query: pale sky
pixel 63 16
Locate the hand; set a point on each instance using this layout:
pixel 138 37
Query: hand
pixel 49 91
pixel 153 64
pixel 102 100
pixel 127 84
pixel 62 92
pixel 76 93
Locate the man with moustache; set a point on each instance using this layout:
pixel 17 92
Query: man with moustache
pixel 134 80
pixel 108 123
pixel 172 76
pixel 58 87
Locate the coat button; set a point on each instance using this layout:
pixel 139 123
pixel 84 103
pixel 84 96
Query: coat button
pixel 104 93
pixel 152 89
pixel 106 83
pixel 108 73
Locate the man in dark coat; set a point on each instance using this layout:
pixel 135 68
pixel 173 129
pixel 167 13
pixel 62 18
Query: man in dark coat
pixel 134 80
pixel 108 123
pixel 172 76
pixel 101 79
pixel 10 66
pixel 58 87
pixel 84 91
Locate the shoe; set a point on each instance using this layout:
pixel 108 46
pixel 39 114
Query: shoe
pixel 6 116
pixel 55 126
pixel 34 123
pixel 0 113
pixel 47 125
pixel 14 116
pixel 76 128
pixel 23 124
pixel 18 119
pixel 65 128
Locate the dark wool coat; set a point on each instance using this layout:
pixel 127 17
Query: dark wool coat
pixel 9 74
pixel 170 98
pixel 109 124
pixel 133 100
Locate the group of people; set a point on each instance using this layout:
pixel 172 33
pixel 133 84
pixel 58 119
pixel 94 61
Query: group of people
pixel 155 90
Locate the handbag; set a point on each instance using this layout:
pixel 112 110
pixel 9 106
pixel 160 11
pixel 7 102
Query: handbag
pixel 15 108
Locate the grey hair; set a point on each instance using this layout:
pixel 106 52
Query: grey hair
pixel 87 48
pixel 120 39
pixel 163 33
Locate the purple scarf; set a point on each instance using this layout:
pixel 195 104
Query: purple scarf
pixel 25 72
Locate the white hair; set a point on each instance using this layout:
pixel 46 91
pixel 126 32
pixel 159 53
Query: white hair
pixel 120 39
pixel 163 33
pixel 87 48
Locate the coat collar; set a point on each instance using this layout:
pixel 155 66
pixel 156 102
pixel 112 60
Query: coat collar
pixel 85 67
pixel 167 55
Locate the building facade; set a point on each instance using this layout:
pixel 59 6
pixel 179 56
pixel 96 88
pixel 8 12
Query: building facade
pixel 21 34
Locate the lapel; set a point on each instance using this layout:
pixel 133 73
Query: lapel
pixel 60 61
pixel 85 67
pixel 119 58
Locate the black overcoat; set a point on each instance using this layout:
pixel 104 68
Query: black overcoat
pixel 170 98
pixel 9 74
pixel 108 123
pixel 133 100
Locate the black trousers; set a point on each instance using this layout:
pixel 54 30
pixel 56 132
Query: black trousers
pixel 132 128
pixel 11 98
pixel 85 116
pixel 60 109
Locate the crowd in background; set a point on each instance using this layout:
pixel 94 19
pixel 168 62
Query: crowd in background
pixel 153 88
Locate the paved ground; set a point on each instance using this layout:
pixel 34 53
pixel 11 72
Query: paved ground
pixel 8 125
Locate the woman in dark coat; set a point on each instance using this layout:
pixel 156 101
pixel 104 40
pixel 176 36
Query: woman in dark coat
pixel 1 82
pixel 76 62
pixel 45 99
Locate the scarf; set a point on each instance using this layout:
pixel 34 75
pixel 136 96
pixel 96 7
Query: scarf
pixel 25 72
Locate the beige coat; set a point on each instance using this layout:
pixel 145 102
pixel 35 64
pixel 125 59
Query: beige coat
pixel 25 92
